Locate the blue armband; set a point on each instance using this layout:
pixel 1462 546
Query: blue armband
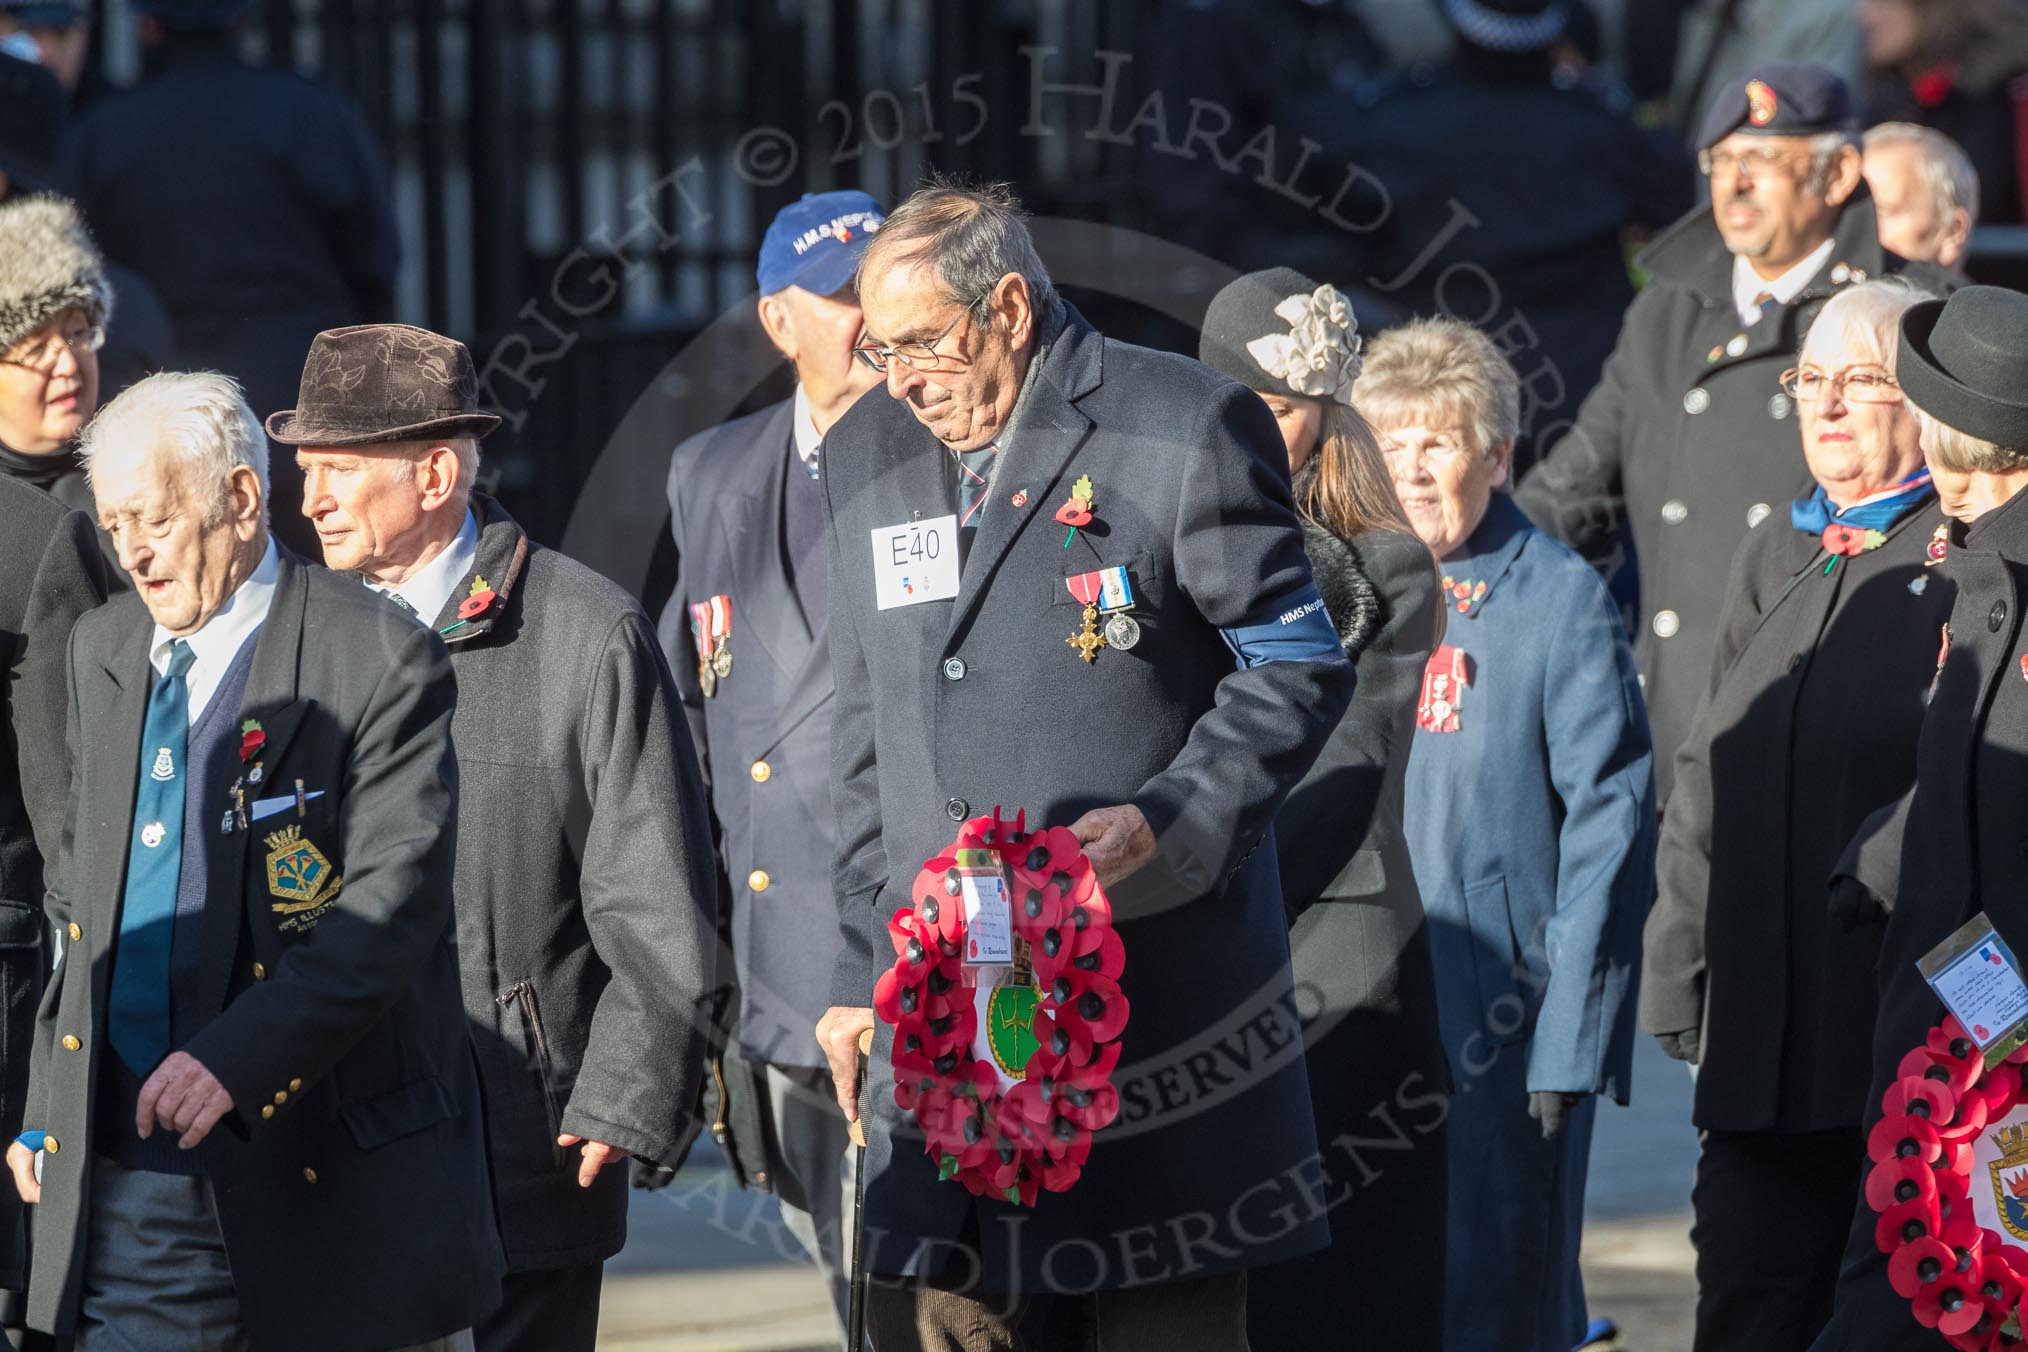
pixel 32 1139
pixel 1293 628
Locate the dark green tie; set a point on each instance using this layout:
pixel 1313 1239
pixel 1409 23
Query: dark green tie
pixel 137 1011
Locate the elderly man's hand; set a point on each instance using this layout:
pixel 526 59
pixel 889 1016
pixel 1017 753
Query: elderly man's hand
pixel 838 1032
pixel 1117 840
pixel 21 1162
pixel 184 1097
pixel 596 1155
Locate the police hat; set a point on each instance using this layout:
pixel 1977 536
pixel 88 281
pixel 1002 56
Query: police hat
pixel 1781 98
pixel 31 123
pixel 45 13
pixel 1509 25
pixel 1961 362
pixel 195 16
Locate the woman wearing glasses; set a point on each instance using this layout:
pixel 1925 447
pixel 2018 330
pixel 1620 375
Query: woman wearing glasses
pixel 54 300
pixel 1827 646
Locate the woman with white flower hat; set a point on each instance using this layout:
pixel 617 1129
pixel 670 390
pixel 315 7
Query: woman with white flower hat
pixel 1530 813
pixel 1359 942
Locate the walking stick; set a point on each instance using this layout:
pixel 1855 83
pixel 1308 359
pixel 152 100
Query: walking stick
pixel 855 1322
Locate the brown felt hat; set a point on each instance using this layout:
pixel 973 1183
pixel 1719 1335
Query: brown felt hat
pixel 380 383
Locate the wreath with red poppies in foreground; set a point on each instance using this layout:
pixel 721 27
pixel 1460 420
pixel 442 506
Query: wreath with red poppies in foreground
pixel 1962 1278
pixel 1021 1122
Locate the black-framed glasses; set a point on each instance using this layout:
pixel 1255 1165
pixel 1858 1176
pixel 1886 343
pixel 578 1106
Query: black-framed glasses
pixel 917 356
pixel 42 355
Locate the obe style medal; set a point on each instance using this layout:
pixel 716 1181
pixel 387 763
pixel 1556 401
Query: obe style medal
pixel 1103 591
pixel 1444 682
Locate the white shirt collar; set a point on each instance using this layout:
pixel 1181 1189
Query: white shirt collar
pixel 430 588
pixel 218 641
pixel 806 441
pixel 1746 283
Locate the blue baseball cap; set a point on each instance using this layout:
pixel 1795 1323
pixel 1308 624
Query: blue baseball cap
pixel 815 243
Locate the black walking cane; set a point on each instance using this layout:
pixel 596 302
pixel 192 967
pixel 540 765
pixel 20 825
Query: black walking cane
pixel 855 1320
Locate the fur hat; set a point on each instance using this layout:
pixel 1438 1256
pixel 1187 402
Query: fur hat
pixel 48 264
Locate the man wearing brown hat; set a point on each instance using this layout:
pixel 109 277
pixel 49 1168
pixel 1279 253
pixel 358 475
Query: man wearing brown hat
pixel 585 899
pixel 1951 847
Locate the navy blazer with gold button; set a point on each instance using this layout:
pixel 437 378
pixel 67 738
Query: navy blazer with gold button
pixel 337 1027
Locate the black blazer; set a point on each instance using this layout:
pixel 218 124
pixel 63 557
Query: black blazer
pixel 338 1031
pixel 1808 728
pixel 1688 441
pixel 50 573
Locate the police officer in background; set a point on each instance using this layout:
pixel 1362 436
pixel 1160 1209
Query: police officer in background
pixel 1686 442
pixel 1454 220
pixel 140 342
pixel 256 202
pixel 747 510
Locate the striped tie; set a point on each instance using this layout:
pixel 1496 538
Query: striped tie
pixel 975 469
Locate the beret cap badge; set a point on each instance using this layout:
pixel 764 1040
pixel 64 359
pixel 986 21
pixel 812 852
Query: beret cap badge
pixel 1761 103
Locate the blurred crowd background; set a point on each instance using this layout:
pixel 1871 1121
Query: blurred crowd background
pixel 576 188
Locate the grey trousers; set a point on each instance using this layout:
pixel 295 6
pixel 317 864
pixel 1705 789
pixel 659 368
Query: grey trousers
pixel 812 1158
pixel 156 1275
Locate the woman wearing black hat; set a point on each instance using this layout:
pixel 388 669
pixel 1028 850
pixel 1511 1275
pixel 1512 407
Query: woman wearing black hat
pixel 1953 846
pixel 1360 944
pixel 1826 646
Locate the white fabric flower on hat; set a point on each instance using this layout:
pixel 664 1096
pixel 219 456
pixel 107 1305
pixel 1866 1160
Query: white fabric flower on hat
pixel 1319 355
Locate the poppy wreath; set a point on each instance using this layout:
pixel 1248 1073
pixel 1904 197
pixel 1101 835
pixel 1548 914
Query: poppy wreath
pixel 1961 1279
pixel 1035 1135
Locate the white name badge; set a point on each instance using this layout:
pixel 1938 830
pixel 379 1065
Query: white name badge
pixel 989 920
pixel 915 561
pixel 1973 972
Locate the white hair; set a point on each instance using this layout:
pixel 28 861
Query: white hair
pixel 410 453
pixel 200 418
pixel 1866 317
pixel 1825 147
pixel 1945 168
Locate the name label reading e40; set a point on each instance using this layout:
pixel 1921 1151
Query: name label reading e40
pixel 915 561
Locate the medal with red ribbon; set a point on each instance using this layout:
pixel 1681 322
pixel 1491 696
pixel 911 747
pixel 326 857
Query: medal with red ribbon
pixel 1086 589
pixel 711 630
pixel 1444 679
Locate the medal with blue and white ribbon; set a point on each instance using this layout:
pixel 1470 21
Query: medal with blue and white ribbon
pixel 1106 591
pixel 1116 598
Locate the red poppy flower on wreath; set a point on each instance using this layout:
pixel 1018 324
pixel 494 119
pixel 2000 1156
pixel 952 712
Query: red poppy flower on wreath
pixel 1008 1080
pixel 1950 1183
